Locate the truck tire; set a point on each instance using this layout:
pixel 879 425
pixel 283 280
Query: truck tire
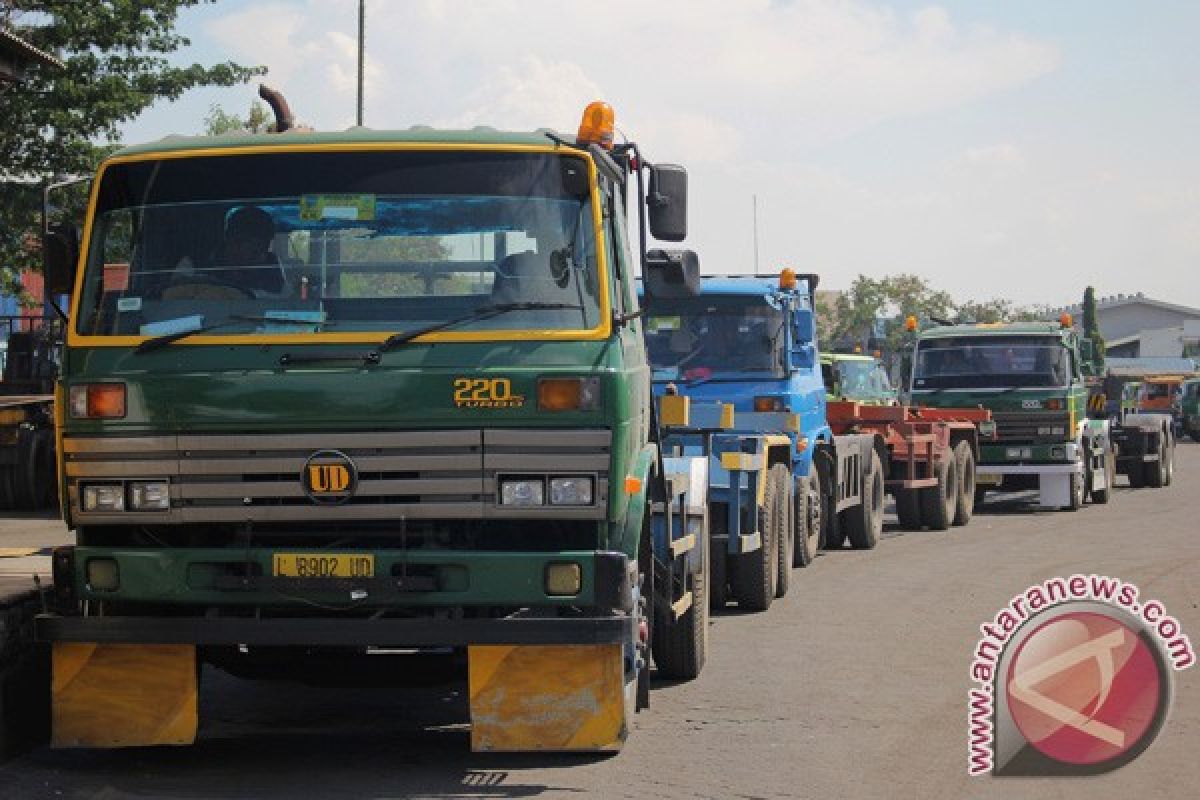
pixel 938 503
pixel 908 508
pixel 1155 472
pixel 787 528
pixel 1078 490
pixel 646 609
pixel 718 579
pixel 6 494
pixel 964 458
pixel 752 577
pixel 809 505
pixel 22 474
pixel 832 534
pixel 864 522
pixel 681 645
pixel 1196 435
pixel 1102 496
pixel 1170 468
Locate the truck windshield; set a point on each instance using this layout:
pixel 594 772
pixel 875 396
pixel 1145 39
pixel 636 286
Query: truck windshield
pixel 341 241
pixel 970 362
pixel 702 338
pixel 863 380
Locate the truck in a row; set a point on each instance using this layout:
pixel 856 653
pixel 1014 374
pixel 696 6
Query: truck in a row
pixel 329 399
pixel 1039 380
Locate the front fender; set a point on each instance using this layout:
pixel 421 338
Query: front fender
pixel 629 530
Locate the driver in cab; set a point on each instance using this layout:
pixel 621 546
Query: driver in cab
pixel 244 259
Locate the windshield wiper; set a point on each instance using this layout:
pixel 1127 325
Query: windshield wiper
pixel 168 338
pixel 481 313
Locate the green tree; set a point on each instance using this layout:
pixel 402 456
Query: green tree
pixel 1091 329
pixel 998 310
pixel 63 122
pixel 257 120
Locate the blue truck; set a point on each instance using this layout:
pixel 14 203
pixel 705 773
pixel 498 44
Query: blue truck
pixel 737 378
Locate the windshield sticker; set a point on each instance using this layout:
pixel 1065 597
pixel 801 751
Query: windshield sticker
pixel 293 321
pixel 129 304
pixel 116 277
pixel 354 207
pixel 293 315
pixel 169 326
pixel 657 324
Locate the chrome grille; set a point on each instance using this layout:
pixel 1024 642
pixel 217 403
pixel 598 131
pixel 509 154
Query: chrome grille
pixel 413 475
pixel 1022 426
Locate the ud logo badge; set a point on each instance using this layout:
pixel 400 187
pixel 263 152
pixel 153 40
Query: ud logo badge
pixel 329 477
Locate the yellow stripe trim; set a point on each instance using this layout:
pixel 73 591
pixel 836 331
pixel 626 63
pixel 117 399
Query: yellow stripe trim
pixel 600 332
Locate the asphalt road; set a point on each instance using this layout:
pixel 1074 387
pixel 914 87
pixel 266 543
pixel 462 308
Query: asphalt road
pixel 854 685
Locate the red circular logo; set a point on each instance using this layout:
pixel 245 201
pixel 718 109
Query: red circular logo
pixel 1084 688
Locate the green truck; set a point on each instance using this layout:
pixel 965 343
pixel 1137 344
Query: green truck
pixel 1191 408
pixel 853 376
pixel 1031 377
pixel 329 398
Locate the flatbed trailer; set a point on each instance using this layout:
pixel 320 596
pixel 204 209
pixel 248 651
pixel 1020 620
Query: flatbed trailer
pixel 929 456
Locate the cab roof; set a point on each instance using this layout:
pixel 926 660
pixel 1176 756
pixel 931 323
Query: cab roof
pixel 846 357
pixel 415 134
pixel 995 329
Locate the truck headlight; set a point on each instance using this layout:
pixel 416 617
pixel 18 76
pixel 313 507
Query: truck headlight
pixel 150 496
pixel 522 492
pixel 571 491
pixel 104 497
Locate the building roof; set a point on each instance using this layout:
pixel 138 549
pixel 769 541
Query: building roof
pixel 415 134
pixel 1147 365
pixel 1120 300
pixel 15 47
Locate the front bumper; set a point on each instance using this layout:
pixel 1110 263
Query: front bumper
pixel 267 632
pixel 242 577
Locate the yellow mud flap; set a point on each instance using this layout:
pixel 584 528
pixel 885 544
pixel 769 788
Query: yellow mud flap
pixel 123 695
pixel 548 697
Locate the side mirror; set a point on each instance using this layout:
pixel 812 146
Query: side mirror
pixel 805 324
pixel 671 273
pixel 60 257
pixel 666 202
pixel 804 355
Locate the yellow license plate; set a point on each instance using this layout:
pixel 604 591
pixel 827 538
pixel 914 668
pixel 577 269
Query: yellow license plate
pixel 988 480
pixel 323 565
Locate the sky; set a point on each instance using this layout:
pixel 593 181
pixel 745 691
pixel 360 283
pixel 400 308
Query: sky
pixel 1017 149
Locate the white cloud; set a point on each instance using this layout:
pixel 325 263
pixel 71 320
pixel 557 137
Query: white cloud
pixel 815 69
pixel 752 95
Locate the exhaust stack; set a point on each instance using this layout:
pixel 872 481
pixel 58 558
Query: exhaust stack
pixel 284 120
